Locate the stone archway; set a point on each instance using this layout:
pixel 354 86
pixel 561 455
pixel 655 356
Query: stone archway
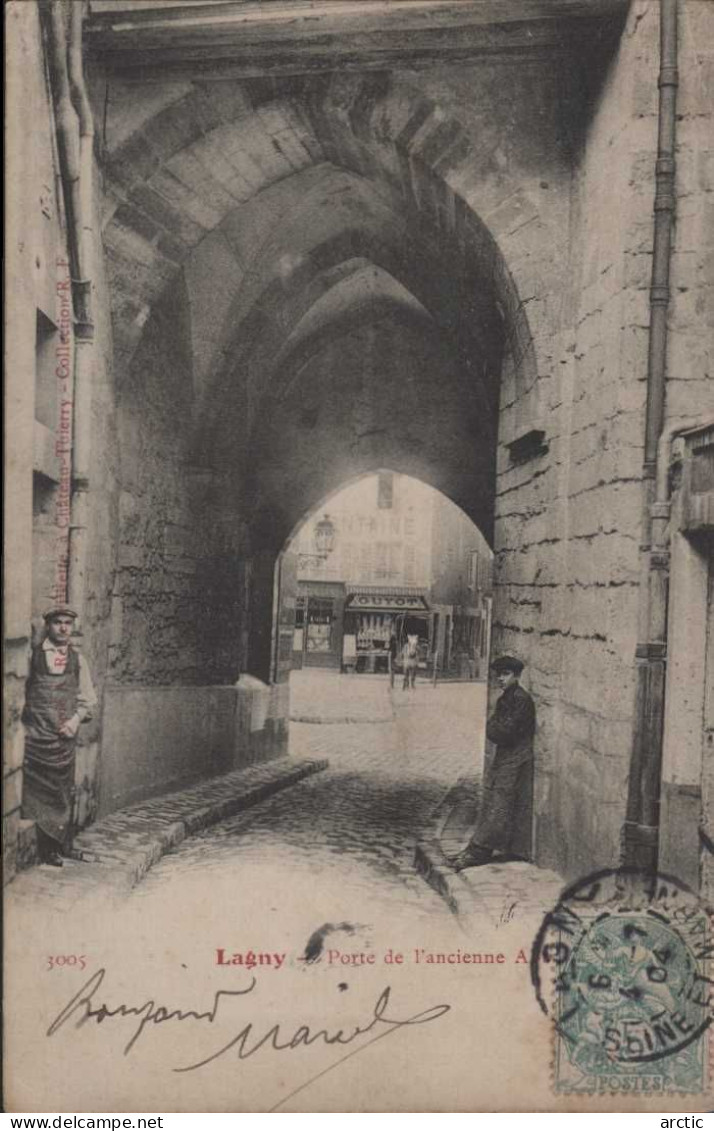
pixel 268 209
pixel 355 253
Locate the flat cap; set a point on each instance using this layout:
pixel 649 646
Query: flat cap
pixel 508 664
pixel 60 611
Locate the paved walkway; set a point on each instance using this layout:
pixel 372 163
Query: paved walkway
pixel 121 848
pixel 327 697
pixel 374 825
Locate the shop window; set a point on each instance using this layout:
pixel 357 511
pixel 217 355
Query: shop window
pixel 319 624
pixel 319 610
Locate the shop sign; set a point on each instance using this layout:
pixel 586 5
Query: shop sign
pixel 388 601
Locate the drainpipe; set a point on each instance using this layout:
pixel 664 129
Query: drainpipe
pixel 75 138
pixel 84 325
pixel 641 830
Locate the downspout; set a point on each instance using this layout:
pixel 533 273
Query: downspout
pixel 84 325
pixel 641 830
pixel 75 134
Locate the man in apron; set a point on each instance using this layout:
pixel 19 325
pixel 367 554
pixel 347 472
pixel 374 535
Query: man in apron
pixel 59 697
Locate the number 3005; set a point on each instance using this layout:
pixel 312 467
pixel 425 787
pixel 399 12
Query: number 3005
pixel 66 960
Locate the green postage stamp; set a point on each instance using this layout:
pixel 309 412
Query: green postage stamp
pixel 624 964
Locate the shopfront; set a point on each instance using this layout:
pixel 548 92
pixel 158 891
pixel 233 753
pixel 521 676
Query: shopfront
pixel 319 613
pixel 372 616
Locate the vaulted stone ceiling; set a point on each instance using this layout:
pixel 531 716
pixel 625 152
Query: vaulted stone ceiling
pixel 308 215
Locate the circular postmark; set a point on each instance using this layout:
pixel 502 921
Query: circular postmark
pixel 624 964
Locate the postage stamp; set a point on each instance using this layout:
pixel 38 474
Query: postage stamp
pixel 624 964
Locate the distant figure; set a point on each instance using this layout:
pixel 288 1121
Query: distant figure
pixel 59 697
pixel 411 655
pixel 393 650
pixel 504 820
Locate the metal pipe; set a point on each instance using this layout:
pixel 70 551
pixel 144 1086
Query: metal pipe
pixel 66 124
pixel 641 830
pixel 84 326
pixel 75 136
pixel 664 210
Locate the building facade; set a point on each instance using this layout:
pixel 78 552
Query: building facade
pixel 383 534
pixel 410 562
pixel 460 594
pixel 379 569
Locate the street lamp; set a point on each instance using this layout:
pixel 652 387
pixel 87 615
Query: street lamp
pixel 324 542
pixel 324 537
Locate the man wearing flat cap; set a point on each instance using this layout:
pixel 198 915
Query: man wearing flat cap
pixel 504 820
pixel 58 698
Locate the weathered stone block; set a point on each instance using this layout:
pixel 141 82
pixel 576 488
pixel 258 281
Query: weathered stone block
pixel 10 826
pixel 158 738
pixel 12 791
pixel 14 743
pixel 26 852
pixel 188 168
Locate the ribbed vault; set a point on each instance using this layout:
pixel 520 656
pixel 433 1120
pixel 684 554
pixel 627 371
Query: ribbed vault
pixel 268 207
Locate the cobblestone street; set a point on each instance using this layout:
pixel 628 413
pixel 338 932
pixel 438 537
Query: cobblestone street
pixel 355 825
pixel 345 835
pixel 320 877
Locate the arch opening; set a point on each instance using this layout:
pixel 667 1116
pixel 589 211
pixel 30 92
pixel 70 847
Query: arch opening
pixel 402 573
pixel 348 312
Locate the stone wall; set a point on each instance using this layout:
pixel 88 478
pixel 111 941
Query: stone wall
pixel 37 313
pixel 568 571
pixel 317 280
pixel 690 386
pixel 157 739
pixel 29 281
pixel 569 524
pixel 688 765
pixel 153 615
pixel 37 306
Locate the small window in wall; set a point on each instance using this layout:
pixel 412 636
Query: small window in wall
pixel 45 377
pixel 385 490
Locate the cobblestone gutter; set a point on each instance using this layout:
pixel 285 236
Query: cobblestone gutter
pixel 492 891
pixel 121 848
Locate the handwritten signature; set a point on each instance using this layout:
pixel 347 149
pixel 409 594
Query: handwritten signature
pixel 248 1041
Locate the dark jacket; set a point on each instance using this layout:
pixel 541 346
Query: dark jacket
pixel 512 725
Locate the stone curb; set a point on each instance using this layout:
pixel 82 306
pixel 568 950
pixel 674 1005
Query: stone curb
pixel 431 864
pixel 132 840
pixel 469 894
pixel 351 719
